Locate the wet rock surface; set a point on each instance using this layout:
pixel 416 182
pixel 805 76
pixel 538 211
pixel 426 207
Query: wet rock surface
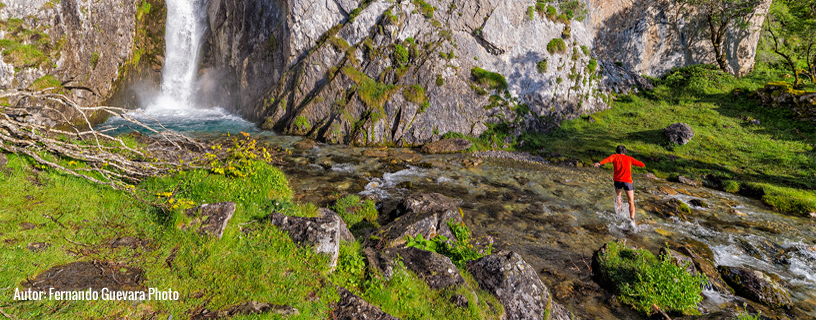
pixel 755 285
pixel 517 286
pixel 447 146
pixel 325 232
pixel 352 307
pixel 679 133
pixel 82 275
pixel 212 218
pixel 427 214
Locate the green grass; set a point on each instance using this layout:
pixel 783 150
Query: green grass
pixel 357 213
pixel 262 265
pixel 556 45
pixel 416 94
pixel 401 54
pixel 45 82
pixel 491 80
pixel 372 93
pixel 778 154
pixel 642 280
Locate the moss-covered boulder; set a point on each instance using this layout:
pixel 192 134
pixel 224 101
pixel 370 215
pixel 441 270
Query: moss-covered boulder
pixel 782 94
pixel 756 285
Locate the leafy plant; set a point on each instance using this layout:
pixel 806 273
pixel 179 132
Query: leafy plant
pixel 556 45
pixel 489 79
pixel 401 54
pixel 439 80
pixel 643 280
pixel 241 156
pixel 357 213
pixel 541 66
pixel 460 251
pixel 744 315
pixel 531 12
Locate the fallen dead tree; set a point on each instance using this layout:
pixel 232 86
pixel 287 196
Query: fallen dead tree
pixel 99 157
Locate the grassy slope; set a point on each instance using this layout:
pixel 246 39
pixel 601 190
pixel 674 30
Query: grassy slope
pixel 770 158
pixel 263 266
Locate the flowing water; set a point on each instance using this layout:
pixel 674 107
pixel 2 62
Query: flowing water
pixel 554 216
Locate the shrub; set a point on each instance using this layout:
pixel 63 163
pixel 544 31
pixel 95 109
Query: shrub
pixel 697 79
pixel 585 50
pixel 551 13
pixel 573 9
pixel 401 55
pixel 563 19
pixel 592 66
pixel 641 280
pixel 731 186
pixel 556 45
pixel 489 79
pixel 541 66
pixel 460 252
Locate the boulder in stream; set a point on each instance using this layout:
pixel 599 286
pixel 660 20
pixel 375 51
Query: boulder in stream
pixel 324 232
pixel 517 286
pixel 756 285
pixel 436 270
pixel 707 268
pixel 424 213
pixel 447 146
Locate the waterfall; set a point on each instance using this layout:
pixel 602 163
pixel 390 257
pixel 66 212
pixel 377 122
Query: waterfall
pixel 186 24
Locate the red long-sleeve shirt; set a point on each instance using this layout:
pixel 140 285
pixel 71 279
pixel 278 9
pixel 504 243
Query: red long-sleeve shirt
pixel 623 166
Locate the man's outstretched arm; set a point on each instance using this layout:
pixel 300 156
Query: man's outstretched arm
pixel 637 163
pixel 604 161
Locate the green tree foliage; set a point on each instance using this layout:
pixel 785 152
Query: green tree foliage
pixel 720 15
pixel 790 26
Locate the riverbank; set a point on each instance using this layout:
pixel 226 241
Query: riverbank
pixel 739 145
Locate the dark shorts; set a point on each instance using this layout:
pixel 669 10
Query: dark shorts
pixel 624 185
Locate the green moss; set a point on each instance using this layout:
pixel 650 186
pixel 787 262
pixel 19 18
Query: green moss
pixel 531 12
pixel 302 124
pixel 491 80
pixel 339 43
pixel 585 50
pixel 401 55
pixel 142 10
pixel 573 9
pixel 426 9
pixel 46 82
pixel 541 66
pixel 592 66
pixel 641 280
pixel 372 93
pixel 556 45
pixel 563 18
pixel 416 94
pixel 439 80
pixel 94 59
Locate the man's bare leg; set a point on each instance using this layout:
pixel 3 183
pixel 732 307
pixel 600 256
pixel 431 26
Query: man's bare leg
pixel 618 204
pixel 631 195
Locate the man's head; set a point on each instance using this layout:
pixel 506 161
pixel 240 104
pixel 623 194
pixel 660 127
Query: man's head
pixel 621 149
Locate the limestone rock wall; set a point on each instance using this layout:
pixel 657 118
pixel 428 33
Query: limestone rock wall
pixel 400 72
pixel 79 46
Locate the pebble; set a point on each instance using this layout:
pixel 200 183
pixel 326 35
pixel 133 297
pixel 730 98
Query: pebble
pixel 518 156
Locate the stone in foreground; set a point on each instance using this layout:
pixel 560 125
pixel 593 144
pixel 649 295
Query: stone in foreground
pixel 447 146
pixel 755 285
pixel 517 286
pixel 435 269
pixel 96 275
pixel 324 232
pixel 352 307
pixel 213 218
pixel 426 213
pixel 679 133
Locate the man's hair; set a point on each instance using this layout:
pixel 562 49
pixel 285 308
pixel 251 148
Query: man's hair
pixel 621 149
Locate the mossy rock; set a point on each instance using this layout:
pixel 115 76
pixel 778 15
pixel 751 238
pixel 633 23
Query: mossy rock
pixel 756 286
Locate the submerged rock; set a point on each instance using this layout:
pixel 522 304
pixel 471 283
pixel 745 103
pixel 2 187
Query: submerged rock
pixel 352 307
pixel 212 218
pixel 324 232
pixel 425 213
pixel 517 286
pixel 447 146
pixel 707 268
pixel 679 133
pixel 756 285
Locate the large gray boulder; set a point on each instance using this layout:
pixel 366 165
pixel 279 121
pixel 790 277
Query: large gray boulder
pixel 435 269
pixel 517 286
pixel 679 133
pixel 426 214
pixel 325 233
pixel 352 307
pixel 756 285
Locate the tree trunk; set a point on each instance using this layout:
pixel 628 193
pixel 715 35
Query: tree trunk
pixel 716 35
pixel 787 57
pixel 810 62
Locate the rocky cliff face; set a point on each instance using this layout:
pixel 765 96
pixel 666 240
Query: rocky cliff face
pixel 76 47
pixel 407 72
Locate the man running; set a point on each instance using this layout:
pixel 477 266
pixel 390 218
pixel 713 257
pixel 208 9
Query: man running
pixel 623 177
